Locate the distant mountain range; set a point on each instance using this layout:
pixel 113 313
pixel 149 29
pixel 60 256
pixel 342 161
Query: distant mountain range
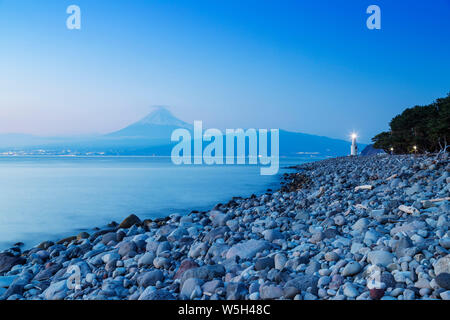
pixel 151 136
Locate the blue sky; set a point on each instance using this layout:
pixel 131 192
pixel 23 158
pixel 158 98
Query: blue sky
pixel 309 66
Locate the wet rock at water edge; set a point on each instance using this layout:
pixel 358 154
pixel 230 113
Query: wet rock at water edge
pixel 130 221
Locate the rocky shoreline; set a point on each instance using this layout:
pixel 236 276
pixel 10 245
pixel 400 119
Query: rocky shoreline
pixel 347 228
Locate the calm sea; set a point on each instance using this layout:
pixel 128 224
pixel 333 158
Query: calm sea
pixel 47 198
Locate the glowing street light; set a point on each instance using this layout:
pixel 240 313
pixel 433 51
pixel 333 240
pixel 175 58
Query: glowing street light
pixel 415 149
pixel 392 150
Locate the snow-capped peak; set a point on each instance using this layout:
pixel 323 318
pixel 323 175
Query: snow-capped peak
pixel 163 117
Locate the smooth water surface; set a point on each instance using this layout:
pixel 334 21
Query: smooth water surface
pixel 47 198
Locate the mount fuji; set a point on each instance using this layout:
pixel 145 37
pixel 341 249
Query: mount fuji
pixel 159 124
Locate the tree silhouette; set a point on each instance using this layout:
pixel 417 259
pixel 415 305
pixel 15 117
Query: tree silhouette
pixel 426 127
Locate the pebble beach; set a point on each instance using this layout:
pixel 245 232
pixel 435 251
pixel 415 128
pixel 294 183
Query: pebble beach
pixel 350 228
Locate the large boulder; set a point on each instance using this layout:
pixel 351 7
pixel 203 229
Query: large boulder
pixel 408 228
pixel 206 273
pixel 184 266
pixel 150 278
pixel 7 261
pixel 191 288
pixel 263 263
pixel 272 234
pixel 351 268
pixel 219 218
pixel 177 234
pixel 400 246
pixel 129 221
pixel 108 237
pixel 270 292
pixel 17 286
pixel 361 225
pixel 442 265
pixel 443 280
pixel 56 291
pixel 236 291
pixel 301 284
pixel 153 294
pixel 380 257
pixel 127 249
pixel 216 233
pixel 247 249
pixel 146 259
pixel 48 272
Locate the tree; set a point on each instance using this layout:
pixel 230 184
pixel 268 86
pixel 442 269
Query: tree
pixel 427 127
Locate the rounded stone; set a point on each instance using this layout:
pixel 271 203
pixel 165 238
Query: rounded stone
pixel 443 280
pixel 331 256
pixel 351 269
pixel 129 221
pixel 442 265
pixel 380 257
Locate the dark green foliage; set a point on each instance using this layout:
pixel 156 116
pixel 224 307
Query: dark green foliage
pixel 427 127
